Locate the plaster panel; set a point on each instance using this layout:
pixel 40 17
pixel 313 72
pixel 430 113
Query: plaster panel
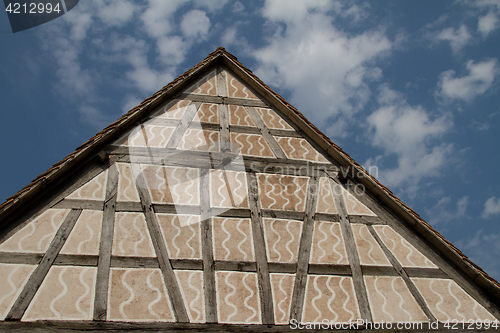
pixel 131 236
pixel 37 235
pixel 199 139
pixel 300 149
pixel 95 189
pixel 228 189
pixel 182 235
pixel 250 144
pixel 149 136
pixel 282 288
pixel 205 86
pixel 86 234
pixel 354 206
pixel 325 203
pixel 239 116
pixel 66 293
pixel 127 189
pixel 237 298
pixel 272 120
pixel 174 109
pixel 191 285
pixel 282 239
pixel 232 239
pixel 369 251
pixel 12 281
pixel 328 244
pixel 282 192
pixel 238 89
pixel 207 113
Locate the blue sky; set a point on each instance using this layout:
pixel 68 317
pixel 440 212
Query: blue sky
pixel 411 87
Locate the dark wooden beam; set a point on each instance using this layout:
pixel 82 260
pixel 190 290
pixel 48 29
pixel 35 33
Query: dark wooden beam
pixel 224 136
pixel 225 100
pixel 179 131
pixel 271 141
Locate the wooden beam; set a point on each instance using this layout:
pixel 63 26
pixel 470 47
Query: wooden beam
pixel 225 100
pixel 221 82
pixel 352 252
pixel 38 275
pixel 224 137
pixel 271 141
pixel 299 288
pixel 76 204
pixel 171 284
pixel 186 120
pixel 266 295
pixel 105 245
pixel 283 214
pixel 235 266
pixel 285 133
pixel 366 219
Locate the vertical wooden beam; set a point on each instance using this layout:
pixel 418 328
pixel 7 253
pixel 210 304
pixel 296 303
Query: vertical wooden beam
pixel 299 288
pixel 105 245
pixel 207 249
pixel 171 284
pixel 271 141
pixel 266 295
pixel 185 122
pixel 221 82
pixel 225 139
pixel 352 252
pixel 397 266
pixel 38 275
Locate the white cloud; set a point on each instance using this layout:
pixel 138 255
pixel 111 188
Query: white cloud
pixel 479 79
pixel 458 38
pixel 195 23
pixel 157 18
pixel 211 5
pixel 440 213
pixel 491 207
pixel 238 7
pixel 293 11
pixel 487 23
pixel 116 12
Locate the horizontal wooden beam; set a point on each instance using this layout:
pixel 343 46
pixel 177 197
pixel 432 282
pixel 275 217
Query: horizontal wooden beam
pixel 83 204
pixel 366 219
pixel 223 100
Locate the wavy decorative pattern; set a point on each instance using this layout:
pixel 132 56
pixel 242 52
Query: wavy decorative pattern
pixel 330 298
pixel 191 285
pixel 86 234
pixel 174 109
pixel 95 189
pixel 138 295
pixel 251 144
pixel 354 206
pixel 182 235
pixel 207 113
pixel 232 239
pixel 369 251
pixel 12 281
pixel 447 300
pixel 281 192
pixel 239 116
pixel 198 139
pixel 328 244
pixel 325 203
pixel 67 293
pixel 237 298
pixel 282 239
pixel 237 89
pixel 131 236
pixel 127 190
pixel 272 120
pixel 36 235
pixel 391 301
pixel 176 185
pixel 228 189
pixel 149 136
pixel 282 288
pixel 300 149
pixel 406 254
pixel 205 86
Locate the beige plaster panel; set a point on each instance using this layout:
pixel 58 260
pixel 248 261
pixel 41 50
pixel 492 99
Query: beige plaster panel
pixel 86 234
pixel 297 148
pixel 272 120
pixel 199 139
pixel 182 235
pixel 237 89
pixel 36 235
pixel 406 254
pixel 325 203
pixel 282 239
pixel 191 285
pixel 447 301
pixel 149 136
pixel 176 185
pixel 131 236
pixel 330 298
pixel 282 288
pixel 232 239
pixel 328 245
pixel 369 251
pixel 12 281
pixel 391 301
pixel 138 294
pixel 127 189
pixel 250 144
pixel 174 109
pixel 237 298
pixel 95 189
pixel 281 192
pixel 207 113
pixel 205 86
pixel 354 206
pixel 66 293
pixel 239 116
pixel 228 189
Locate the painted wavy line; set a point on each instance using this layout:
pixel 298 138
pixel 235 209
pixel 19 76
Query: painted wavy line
pixel 269 192
pixel 61 294
pixel 141 234
pixel 370 243
pixel 130 299
pixel 190 184
pixel 306 150
pixel 91 234
pixel 228 236
pixel 298 189
pixel 193 233
pixel 317 297
pixel 409 255
pixel 173 188
pixel 164 138
pixel 331 299
pixel 401 299
pixel 456 299
pixel 221 188
pixel 344 305
pixel 100 186
pixel 213 138
pixel 385 299
pixel 287 245
pixel 239 198
pixel 194 301
pixel 283 300
pixel 127 187
pixel 245 255
pixel 438 304
pixel 85 294
pixel 226 299
pixel 284 190
pixel 50 234
pixel 158 296
pixel 11 284
pixel 177 249
pixel 249 297
pixel 337 243
pixel 20 241
pixel 124 239
pixel 292 153
pixel 162 184
pixel 262 144
pixel 325 237
pixel 276 241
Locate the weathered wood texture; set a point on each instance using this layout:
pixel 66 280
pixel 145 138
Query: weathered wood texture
pixel 221 82
pixel 179 131
pixel 271 141
pixel 225 100
pixel 224 137
pixel 37 277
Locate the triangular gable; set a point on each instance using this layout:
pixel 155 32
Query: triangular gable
pixel 215 185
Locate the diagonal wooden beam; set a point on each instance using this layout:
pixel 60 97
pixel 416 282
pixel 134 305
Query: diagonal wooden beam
pixel 299 288
pixel 171 284
pixel 271 141
pixel 38 275
pixel 266 295
pixel 185 122
pixel 352 252
pixel 105 245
